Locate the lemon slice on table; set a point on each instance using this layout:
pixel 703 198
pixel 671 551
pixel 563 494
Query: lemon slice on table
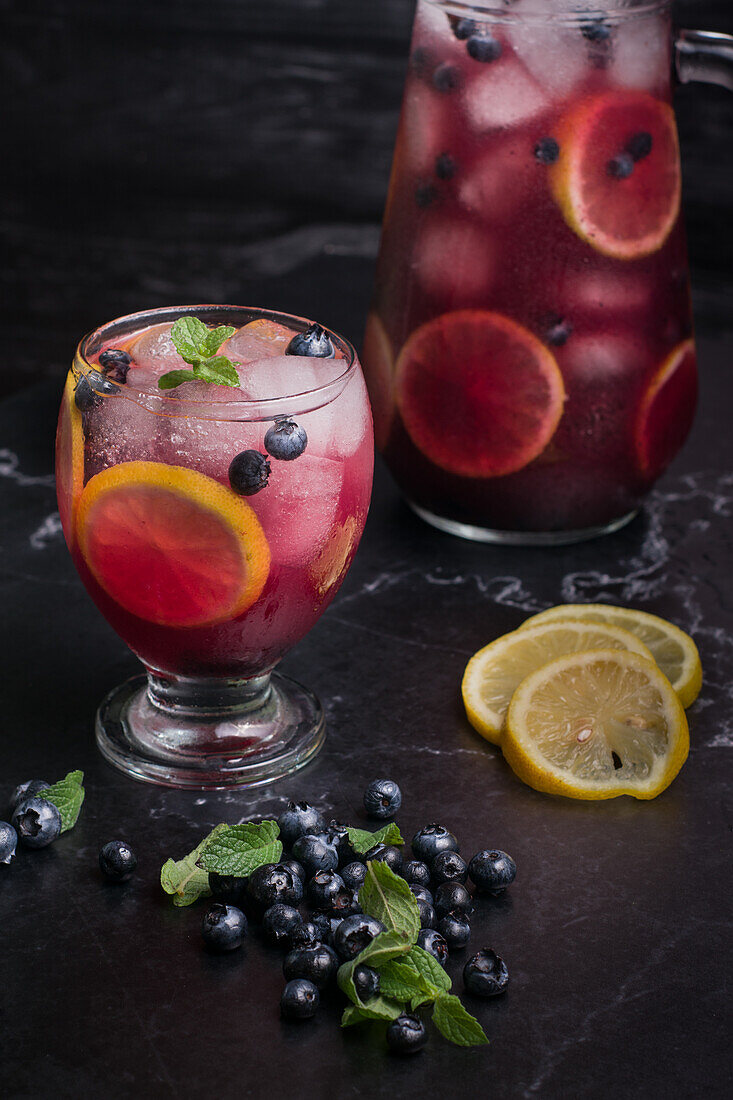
pixel 494 672
pixel 672 649
pixel 596 725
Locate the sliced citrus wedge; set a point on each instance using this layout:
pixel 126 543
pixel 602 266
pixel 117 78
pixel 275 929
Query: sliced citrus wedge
pixel 596 725
pixel 69 459
pixel 377 359
pixel 672 649
pixel 479 394
pixel 667 410
pixel 494 672
pixel 617 178
pixel 172 545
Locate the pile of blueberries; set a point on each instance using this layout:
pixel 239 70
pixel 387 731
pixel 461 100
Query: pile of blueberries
pixel 322 873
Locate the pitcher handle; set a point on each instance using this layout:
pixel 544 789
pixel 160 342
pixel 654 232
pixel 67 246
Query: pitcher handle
pixel 705 56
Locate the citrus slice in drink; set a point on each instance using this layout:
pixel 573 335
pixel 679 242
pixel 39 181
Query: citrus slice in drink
pixel 596 725
pixel 69 459
pixel 674 651
pixel 378 362
pixel 478 394
pixel 617 178
pixel 171 545
pixel 493 674
pixel 666 411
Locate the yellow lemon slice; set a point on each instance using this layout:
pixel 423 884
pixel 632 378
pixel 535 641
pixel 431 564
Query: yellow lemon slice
pixel 672 649
pixel 596 725
pixel 493 674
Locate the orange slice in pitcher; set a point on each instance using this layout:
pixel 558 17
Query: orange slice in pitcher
pixel 69 459
pixel 667 410
pixel 172 545
pixel 617 178
pixel 479 394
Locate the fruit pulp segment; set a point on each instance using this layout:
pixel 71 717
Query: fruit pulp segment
pixel 196 579
pixel 542 186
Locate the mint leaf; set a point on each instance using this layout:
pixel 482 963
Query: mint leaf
pixel 385 946
pixel 183 878
pixel 398 978
pixel 378 1008
pixel 189 336
pixel 389 899
pixel 430 970
pixel 67 796
pixel 361 840
pixel 214 338
pixel 238 849
pixel 218 370
pixel 174 378
pixel 455 1023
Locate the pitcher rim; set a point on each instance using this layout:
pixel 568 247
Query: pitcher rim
pixel 501 13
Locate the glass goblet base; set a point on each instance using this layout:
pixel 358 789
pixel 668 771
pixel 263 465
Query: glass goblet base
pixel 210 734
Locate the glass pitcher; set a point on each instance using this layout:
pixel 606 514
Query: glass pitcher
pixel 529 352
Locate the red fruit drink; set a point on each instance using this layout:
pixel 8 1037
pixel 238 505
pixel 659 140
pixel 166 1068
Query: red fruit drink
pixel 529 353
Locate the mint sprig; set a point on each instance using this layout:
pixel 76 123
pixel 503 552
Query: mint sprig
pixel 408 975
pixel 361 840
pixel 197 344
pixel 238 849
pixel 183 878
pixel 67 796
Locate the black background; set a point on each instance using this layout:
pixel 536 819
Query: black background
pixel 178 151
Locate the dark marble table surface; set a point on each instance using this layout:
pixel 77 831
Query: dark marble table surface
pixel 617 930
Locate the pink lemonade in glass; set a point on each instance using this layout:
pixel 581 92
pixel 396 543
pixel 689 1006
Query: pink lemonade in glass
pixel 212 524
pixel 529 352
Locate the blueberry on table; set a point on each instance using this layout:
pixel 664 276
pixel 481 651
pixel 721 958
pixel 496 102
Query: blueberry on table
pixel 382 799
pixel 8 842
pixel 223 927
pixel 279 923
pixel 285 440
pixel 492 871
pixel 455 929
pixel 314 341
pixel 325 925
pixel 484 47
pixel 300 999
pixel 345 903
pixel 317 964
pixel 336 834
pixel 297 868
pixel 229 888
pixel 298 819
pixel 428 916
pixel 366 980
pixel 274 882
pixel 435 945
pixel 306 934
pixel 354 934
pixel 323 888
pixel 115 363
pixel 354 874
pixel 416 873
pixel 315 854
pixel 452 896
pixel 386 853
pixel 485 974
pixel 406 1035
pixel 249 472
pixel 431 840
pixel 117 861
pixel 449 867
pixel 26 790
pixel 37 822
pixel 421 893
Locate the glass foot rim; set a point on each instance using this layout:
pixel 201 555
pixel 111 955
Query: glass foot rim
pixel 521 538
pixel 277 758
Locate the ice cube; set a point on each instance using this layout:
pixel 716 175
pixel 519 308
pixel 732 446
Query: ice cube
pixel 503 94
pixel 153 354
pixel 283 375
pixel 601 358
pixel 641 55
pixel 298 507
pixel 555 55
pixel 454 260
pixel 337 429
pixel 426 129
pixel 606 293
pixel 498 180
pixel 259 339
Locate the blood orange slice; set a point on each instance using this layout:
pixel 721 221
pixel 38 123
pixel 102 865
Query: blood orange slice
pixel 617 179
pixel 479 395
pixel 69 459
pixel 667 410
pixel 378 361
pixel 171 545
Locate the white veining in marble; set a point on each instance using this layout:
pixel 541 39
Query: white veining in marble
pixel 48 531
pixel 10 468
